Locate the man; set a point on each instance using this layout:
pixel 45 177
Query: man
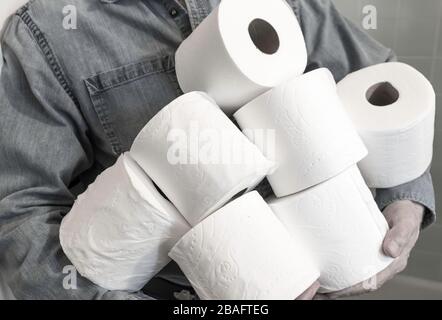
pixel 72 100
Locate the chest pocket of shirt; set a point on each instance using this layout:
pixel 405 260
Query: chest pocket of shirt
pixel 126 98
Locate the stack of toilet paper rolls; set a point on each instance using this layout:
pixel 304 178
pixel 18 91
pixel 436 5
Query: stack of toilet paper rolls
pixel 200 161
pixel 242 251
pixel 318 147
pixel 120 231
pixel 184 190
pixel 321 194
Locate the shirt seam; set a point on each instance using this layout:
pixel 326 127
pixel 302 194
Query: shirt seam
pixel 141 70
pixel 48 52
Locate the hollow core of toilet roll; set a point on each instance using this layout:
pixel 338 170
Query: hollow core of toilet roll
pixel 264 36
pixel 382 94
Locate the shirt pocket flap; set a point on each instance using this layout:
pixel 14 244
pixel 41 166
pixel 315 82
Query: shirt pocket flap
pixel 127 97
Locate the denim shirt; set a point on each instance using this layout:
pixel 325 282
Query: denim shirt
pixel 71 101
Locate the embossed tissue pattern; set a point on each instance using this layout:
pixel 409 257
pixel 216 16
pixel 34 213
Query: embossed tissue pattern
pixel 342 225
pixel 197 189
pixel 315 139
pixel 115 236
pixel 243 252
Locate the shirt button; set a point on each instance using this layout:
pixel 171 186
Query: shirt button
pixel 173 12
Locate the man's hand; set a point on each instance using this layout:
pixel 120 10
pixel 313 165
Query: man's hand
pixel 404 218
pixel 310 293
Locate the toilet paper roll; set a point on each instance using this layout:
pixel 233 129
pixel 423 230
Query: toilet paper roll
pixel 314 138
pixel 119 232
pixel 393 107
pixel 197 156
pixel 8 7
pixel 242 49
pixel 242 252
pixel 343 226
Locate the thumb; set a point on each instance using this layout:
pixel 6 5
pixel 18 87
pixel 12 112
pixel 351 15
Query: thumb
pixel 398 237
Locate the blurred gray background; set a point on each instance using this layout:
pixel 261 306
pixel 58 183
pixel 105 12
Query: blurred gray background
pixel 413 29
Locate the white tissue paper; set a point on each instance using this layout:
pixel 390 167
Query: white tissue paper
pixel 242 49
pixel 197 156
pixel 7 8
pixel 393 107
pixel 314 137
pixel 342 224
pixel 243 252
pixel 119 232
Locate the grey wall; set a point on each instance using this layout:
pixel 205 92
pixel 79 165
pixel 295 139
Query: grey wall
pixel 413 28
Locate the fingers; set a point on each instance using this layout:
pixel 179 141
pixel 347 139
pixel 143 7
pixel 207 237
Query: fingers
pixel 393 269
pixel 367 286
pixel 310 292
pixel 321 296
pixel 404 219
pixel 374 283
pixel 352 291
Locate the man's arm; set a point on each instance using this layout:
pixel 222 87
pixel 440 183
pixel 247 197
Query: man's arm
pixel 335 43
pixel 44 147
